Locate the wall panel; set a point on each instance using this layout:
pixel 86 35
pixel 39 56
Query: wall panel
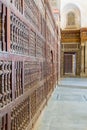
pixel 28 70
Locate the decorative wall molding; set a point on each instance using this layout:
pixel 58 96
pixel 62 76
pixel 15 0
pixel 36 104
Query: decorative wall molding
pixel 70 36
pixel 83 33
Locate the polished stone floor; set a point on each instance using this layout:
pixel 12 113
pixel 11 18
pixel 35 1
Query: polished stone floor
pixel 67 107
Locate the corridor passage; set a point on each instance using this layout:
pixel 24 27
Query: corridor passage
pixel 67 107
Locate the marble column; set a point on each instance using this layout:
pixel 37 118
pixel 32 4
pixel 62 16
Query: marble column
pixel 74 64
pixel 82 60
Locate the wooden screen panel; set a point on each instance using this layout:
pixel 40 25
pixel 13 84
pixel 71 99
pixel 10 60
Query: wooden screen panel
pixel 49 35
pixel 40 71
pixel 39 96
pixel 31 12
pixel 49 72
pixel 43 25
pixel 18 78
pixel 5 82
pixel 32 44
pixel 39 47
pixel 46 88
pixel 4 122
pixel 67 63
pixel 26 72
pixel 19 36
pixel 31 70
pixel 20 115
pixel 3 27
pixel 33 103
pixel 48 52
pixel 18 4
pixel 44 70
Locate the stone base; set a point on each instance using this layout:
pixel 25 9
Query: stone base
pixel 83 75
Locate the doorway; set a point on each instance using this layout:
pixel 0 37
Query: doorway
pixel 70 63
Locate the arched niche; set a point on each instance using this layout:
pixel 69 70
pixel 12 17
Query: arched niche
pixel 71 17
pixel 71 20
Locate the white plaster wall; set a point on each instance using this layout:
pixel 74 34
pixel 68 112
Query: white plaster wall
pixel 81 4
pixel 55 4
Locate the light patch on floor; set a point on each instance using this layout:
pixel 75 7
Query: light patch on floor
pixel 67 107
pixel 69 97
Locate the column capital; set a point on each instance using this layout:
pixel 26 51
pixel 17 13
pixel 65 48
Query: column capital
pixel 82 45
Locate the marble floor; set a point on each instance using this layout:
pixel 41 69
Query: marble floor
pixel 67 107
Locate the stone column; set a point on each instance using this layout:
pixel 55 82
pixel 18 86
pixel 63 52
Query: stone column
pixel 82 60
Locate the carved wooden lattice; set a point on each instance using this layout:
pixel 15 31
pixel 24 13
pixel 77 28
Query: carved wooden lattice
pixel 39 96
pixel 19 36
pixel 18 78
pixel 27 75
pixel 3 27
pixel 43 24
pixel 40 47
pixel 5 82
pixel 4 122
pixel 31 12
pixel 33 104
pixel 32 44
pixel 44 70
pixel 18 4
pixel 31 74
pixel 20 115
